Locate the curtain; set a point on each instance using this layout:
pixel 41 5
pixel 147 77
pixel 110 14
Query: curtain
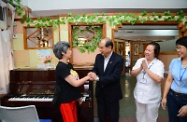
pixel 6 56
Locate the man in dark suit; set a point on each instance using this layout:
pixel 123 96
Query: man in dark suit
pixel 107 72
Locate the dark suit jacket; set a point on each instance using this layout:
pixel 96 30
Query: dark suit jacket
pixel 109 81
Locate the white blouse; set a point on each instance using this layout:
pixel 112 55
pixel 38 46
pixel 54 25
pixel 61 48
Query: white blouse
pixel 148 91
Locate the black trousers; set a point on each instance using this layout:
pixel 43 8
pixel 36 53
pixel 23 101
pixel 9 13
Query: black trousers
pixel 107 111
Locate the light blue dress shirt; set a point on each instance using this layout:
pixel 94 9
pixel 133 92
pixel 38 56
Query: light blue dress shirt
pixel 179 75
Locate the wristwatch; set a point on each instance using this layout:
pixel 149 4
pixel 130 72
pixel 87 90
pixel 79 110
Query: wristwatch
pixel 97 78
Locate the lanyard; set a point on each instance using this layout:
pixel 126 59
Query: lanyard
pixel 181 74
pixel 144 72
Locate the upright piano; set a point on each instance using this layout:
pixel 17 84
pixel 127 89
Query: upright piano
pixel 36 87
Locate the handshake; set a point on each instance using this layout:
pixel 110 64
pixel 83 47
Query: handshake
pixel 93 76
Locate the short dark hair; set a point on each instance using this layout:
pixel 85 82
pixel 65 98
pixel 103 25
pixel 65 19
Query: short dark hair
pixel 156 49
pixel 59 48
pixel 108 42
pixel 182 41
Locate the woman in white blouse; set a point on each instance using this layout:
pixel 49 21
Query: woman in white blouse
pixel 149 72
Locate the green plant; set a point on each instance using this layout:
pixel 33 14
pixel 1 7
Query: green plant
pixel 87 46
pixel 19 8
pixel 113 21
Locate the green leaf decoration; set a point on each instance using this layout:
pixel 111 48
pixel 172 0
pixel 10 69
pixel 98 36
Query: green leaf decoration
pixel 173 17
pixel 153 14
pixel 87 46
pixel 103 14
pixel 179 19
pixel 28 25
pixel 159 16
pixel 143 20
pixel 148 18
pixel 155 19
pixel 113 20
pixel 69 14
pixel 133 22
pixel 167 13
pixel 22 21
pixel 24 16
pixel 81 49
pixel 144 13
pixel 180 13
pixel 186 23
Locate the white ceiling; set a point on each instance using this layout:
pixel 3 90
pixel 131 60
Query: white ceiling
pixel 56 7
pixel 38 13
pixel 146 33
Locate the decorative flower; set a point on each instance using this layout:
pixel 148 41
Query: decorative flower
pixel 47 59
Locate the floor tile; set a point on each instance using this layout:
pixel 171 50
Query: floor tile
pixel 127 104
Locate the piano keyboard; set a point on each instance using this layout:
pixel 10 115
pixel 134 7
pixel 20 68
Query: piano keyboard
pixel 36 98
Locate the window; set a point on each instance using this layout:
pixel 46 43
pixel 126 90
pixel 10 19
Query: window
pixel 83 39
pixel 38 38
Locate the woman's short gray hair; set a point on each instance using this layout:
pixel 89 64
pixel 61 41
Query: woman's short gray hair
pixel 59 48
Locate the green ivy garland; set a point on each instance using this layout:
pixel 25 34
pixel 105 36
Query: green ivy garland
pixel 113 20
pixel 97 18
pixel 19 8
pixel 100 18
pixel 89 46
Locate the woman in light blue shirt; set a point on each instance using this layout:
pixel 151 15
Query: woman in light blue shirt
pixel 175 90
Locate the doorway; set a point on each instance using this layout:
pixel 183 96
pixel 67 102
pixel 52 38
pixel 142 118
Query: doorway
pixel 140 35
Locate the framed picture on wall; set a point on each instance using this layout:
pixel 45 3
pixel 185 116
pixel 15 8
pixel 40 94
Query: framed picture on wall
pixel 121 48
pixel 136 49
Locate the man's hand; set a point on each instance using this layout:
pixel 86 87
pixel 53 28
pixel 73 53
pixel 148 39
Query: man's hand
pixel 182 111
pixel 92 75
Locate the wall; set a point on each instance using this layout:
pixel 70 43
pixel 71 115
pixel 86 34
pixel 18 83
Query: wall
pixel 168 46
pixel 166 58
pixel 28 58
pixel 31 60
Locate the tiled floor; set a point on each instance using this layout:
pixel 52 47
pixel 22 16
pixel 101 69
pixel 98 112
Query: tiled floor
pixel 127 104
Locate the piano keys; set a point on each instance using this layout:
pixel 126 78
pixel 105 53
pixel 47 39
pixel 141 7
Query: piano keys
pixel 36 98
pixel 36 87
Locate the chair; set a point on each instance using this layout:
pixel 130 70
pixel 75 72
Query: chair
pixel 19 114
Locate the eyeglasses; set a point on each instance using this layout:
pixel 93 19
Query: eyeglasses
pixel 179 48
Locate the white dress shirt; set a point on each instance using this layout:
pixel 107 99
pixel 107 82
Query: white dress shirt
pixel 150 91
pixel 106 60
